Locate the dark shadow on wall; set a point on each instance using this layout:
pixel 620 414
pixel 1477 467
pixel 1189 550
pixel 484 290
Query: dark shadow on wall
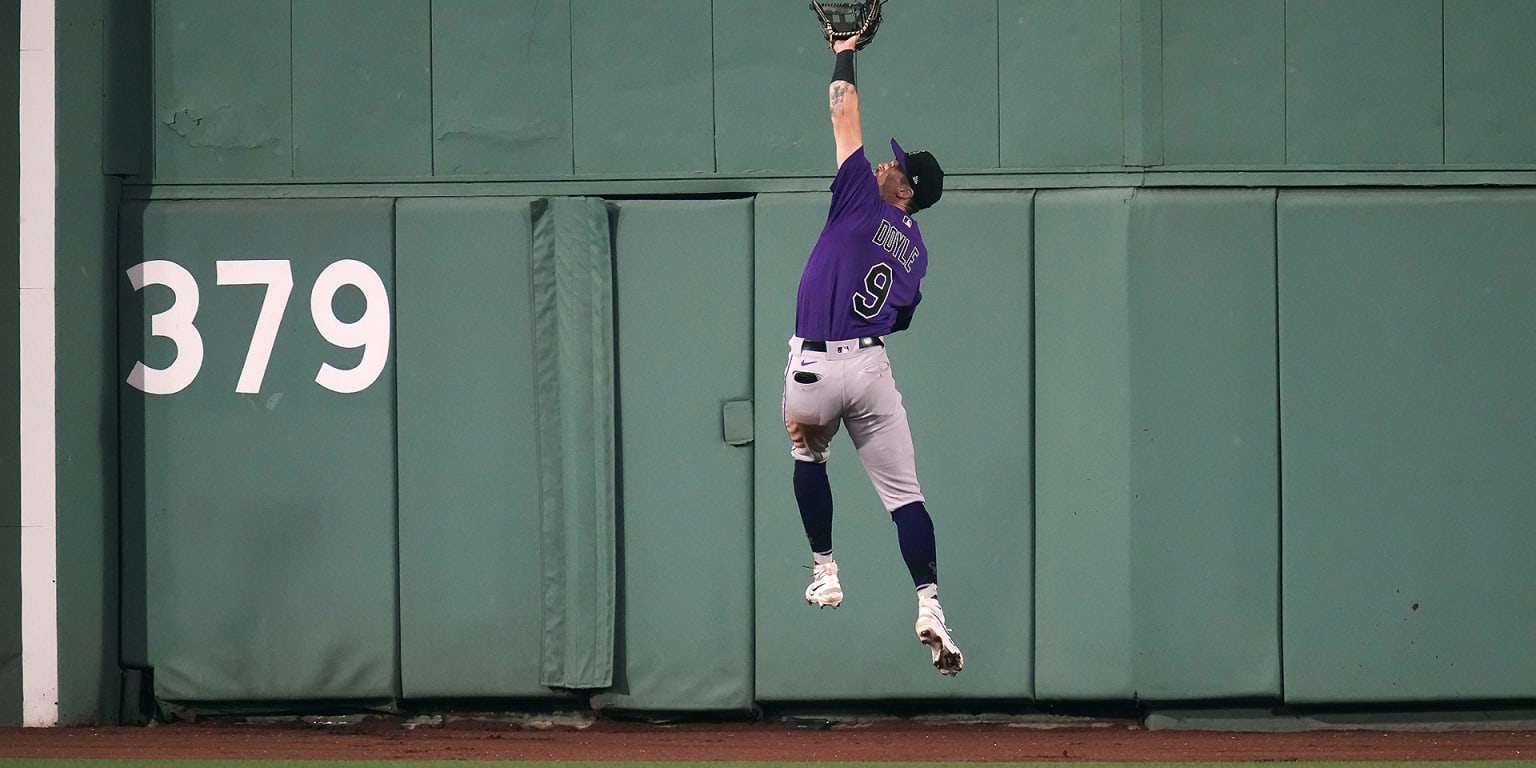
pixel 127 157
pixel 10 364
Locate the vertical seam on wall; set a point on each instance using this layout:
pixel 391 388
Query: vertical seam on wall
pixel 1125 94
pixel 714 96
pixel 1444 127
pixel 431 96
pixel 1162 80
pixel 394 268
pixel 293 138
pixel 1285 93
pixel 150 174
pixel 1279 465
pixel 998 52
pixel 1034 448
pixel 570 73
pixel 752 458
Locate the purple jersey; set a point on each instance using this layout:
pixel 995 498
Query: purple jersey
pixel 863 275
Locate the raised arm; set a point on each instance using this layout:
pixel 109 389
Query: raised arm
pixel 846 128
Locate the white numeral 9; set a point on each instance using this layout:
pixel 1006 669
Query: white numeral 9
pixel 371 331
pixel 175 323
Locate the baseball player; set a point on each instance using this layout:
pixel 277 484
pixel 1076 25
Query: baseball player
pixel 860 285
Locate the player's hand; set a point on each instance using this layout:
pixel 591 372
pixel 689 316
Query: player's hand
pixel 849 44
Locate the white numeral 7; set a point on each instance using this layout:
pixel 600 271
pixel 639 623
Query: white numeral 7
pixel 277 275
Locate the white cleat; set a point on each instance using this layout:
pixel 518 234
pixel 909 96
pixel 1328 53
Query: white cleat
pixel 824 591
pixel 933 633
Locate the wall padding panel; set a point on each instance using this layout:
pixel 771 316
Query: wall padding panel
pixel 1059 69
pixel 223 89
pixel 643 89
pixel 575 354
pixel 771 91
pixel 1204 445
pixel 684 307
pixel 362 88
pixel 1223 82
pixel 470 605
pixel 1490 81
pixel 501 87
pixel 943 103
pixel 1083 641
pixel 269 515
pixel 1364 82
pixel 1156 519
pixel 1408 356
pixel 977 489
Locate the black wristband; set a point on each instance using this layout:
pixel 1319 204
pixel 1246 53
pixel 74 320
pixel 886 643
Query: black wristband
pixel 843 70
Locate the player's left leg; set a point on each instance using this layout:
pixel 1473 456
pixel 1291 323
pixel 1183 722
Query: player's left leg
pixel 883 438
pixel 811 403
pixel 813 495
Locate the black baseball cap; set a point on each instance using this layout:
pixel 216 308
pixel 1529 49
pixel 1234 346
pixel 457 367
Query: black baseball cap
pixel 923 173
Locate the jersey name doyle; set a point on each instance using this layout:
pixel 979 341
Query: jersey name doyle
pixel 863 276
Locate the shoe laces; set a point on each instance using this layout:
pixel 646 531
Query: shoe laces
pixel 821 571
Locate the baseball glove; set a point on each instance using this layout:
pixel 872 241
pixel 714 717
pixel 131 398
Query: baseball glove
pixel 840 21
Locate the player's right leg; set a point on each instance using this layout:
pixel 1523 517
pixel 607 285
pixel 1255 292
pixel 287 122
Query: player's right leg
pixel 883 439
pixel 934 633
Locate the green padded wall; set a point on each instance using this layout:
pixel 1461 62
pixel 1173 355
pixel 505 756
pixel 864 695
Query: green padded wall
pixel 1204 445
pixel 763 121
pixel 1407 364
pixel 362 88
pixel 1223 82
pixel 574 360
pixel 1363 82
pixel 223 89
pixel 1156 340
pixel 128 89
pixel 10 384
pixel 1059 69
pixel 684 309
pixel 85 291
pixel 1157 503
pixel 269 516
pixel 1083 619
pixel 978 489
pixel 386 89
pixel 501 95
pixel 1490 81
pixel 947 103
pixel 470 609
pixel 642 87
pixel 770 94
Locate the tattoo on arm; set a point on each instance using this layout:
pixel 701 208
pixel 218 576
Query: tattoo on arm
pixel 840 91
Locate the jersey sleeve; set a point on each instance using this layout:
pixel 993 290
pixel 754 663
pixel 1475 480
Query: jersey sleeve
pixel 854 185
pixel 904 313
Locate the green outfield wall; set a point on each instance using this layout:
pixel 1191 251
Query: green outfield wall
pixel 423 353
pixel 10 383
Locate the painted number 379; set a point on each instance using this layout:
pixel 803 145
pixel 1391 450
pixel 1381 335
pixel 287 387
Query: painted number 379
pixel 176 323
